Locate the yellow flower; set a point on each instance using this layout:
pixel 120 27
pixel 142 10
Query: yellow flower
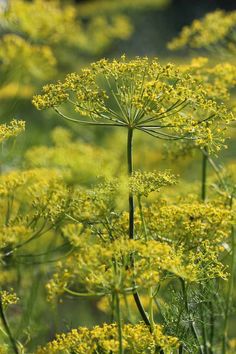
pixel 137 339
pixel 8 298
pixel 162 101
pixel 213 30
pixel 14 128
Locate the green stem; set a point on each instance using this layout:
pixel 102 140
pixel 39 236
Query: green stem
pixel 131 220
pixel 7 328
pixel 9 208
pixel 130 171
pixel 142 217
pixel 75 293
pixel 150 290
pixel 150 310
pixel 113 300
pixel 203 197
pixel 204 174
pixel 119 323
pixel 230 287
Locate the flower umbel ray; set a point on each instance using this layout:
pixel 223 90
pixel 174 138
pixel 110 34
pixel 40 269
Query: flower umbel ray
pixel 141 94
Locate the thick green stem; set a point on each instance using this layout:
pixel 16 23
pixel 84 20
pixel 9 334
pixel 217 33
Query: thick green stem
pixel 230 287
pixel 130 171
pixel 131 221
pixel 7 329
pixel 119 323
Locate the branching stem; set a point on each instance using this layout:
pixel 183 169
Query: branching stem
pixel 7 328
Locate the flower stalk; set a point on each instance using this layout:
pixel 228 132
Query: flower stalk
pixel 119 323
pixel 203 197
pixel 204 174
pixel 131 221
pixel 7 328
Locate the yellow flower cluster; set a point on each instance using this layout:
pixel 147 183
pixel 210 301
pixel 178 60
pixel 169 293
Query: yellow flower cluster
pixel 201 229
pixel 94 205
pixel 51 22
pixel 105 268
pixel 29 45
pixel 14 128
pixel 217 79
pixel 14 89
pixel 160 100
pixel 58 22
pixel 143 183
pixel 209 262
pixel 11 181
pixel 27 42
pixel 216 28
pixel 30 202
pixel 218 82
pixel 13 234
pixel 190 223
pixel 17 52
pixel 50 200
pixel 101 210
pixel 137 340
pixel 74 170
pixel 8 298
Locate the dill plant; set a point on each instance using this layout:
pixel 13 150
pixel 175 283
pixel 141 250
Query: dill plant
pixel 32 46
pixel 26 215
pixel 33 204
pixel 8 131
pixel 165 102
pixel 215 32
